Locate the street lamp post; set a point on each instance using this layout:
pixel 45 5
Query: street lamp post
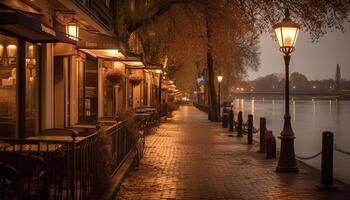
pixel 287 32
pixel 219 77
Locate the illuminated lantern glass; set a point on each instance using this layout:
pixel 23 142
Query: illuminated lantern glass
pixel 219 78
pixel 72 29
pixel 31 51
pixel 287 33
pixel 11 50
pixel 1 50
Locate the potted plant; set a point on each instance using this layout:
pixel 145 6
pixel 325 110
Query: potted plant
pixel 164 88
pixel 135 79
pixel 114 76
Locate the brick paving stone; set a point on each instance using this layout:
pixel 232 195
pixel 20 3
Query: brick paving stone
pixel 189 157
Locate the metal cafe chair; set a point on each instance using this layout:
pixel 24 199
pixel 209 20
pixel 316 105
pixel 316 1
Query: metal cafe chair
pixel 10 182
pixel 32 170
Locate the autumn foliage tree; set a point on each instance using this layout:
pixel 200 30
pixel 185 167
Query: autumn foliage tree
pixel 221 35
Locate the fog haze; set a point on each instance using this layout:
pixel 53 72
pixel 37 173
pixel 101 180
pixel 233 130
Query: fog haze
pixel 316 60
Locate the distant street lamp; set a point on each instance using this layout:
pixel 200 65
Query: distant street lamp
pixel 287 33
pixel 220 77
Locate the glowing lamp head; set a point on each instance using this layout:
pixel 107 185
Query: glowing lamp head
pixel 11 50
pixel 115 52
pixel 72 30
pixel 287 33
pixel 1 50
pixel 220 78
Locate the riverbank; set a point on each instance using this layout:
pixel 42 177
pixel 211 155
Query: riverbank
pixel 295 97
pixel 309 119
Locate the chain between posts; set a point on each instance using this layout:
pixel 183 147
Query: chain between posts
pixel 309 157
pixel 340 150
pixel 319 153
pixel 255 130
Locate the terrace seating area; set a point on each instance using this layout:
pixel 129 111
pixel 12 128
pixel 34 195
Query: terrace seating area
pixel 67 163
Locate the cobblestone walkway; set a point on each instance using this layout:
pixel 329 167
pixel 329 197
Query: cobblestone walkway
pixel 191 158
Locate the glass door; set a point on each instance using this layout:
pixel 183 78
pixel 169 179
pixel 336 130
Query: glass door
pixel 8 86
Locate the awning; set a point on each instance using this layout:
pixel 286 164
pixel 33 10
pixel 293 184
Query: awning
pixel 22 6
pixel 107 54
pixel 134 64
pixel 29 27
pixel 131 60
pixel 88 40
pixel 153 66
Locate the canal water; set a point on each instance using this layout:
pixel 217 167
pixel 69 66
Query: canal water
pixel 309 119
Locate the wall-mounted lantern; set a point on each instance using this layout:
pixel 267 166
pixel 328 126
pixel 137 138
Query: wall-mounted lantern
pixel 72 30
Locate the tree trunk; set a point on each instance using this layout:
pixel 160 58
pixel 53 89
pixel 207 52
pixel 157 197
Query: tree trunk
pixel 214 112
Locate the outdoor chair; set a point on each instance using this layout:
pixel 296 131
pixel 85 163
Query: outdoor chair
pixel 31 169
pixel 10 182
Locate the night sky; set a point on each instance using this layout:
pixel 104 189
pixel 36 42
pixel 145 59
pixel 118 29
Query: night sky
pixel 315 60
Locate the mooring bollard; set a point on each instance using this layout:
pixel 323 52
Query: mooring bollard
pixel 240 124
pixel 231 120
pixel 224 118
pixel 262 134
pixel 250 129
pixel 327 162
pixel 270 141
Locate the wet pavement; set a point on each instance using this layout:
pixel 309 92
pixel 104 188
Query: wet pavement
pixel 189 157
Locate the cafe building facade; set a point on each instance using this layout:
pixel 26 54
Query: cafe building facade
pixel 62 65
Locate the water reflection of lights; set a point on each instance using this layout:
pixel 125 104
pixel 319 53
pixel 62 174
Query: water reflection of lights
pixel 253 106
pixel 293 118
pixel 336 105
pixel 314 113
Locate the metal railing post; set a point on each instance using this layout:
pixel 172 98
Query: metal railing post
pixel 73 135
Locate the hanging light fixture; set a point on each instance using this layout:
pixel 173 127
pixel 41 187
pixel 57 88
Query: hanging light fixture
pixel 1 50
pixel 72 30
pixel 31 51
pixel 11 50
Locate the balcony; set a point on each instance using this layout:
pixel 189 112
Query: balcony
pixel 98 9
